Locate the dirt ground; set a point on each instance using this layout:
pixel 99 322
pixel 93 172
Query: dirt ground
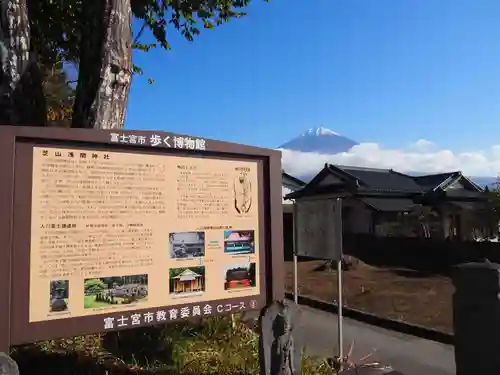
pixel 398 294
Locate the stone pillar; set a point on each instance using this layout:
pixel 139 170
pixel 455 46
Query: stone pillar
pixel 476 318
pixel 280 349
pixel 7 365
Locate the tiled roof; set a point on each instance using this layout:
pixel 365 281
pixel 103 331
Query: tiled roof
pixel 381 183
pixel 382 179
pixel 431 181
pixel 294 180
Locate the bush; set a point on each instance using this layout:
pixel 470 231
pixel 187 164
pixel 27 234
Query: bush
pixel 213 345
pixel 94 286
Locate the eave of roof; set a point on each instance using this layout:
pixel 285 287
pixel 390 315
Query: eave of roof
pixel 389 204
pixel 294 179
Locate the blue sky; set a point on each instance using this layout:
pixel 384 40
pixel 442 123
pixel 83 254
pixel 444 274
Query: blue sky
pixel 384 71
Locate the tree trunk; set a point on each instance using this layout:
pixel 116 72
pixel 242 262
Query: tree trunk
pixel 105 66
pixel 21 94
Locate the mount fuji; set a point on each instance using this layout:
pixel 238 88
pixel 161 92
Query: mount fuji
pixel 320 140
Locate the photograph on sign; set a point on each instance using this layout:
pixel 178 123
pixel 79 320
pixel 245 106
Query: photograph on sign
pixel 59 293
pixel 318 229
pixel 239 242
pixel 115 290
pixel 240 276
pixel 114 232
pixel 187 281
pixel 187 245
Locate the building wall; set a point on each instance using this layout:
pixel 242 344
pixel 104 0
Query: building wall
pixel 284 191
pixel 288 187
pixel 187 237
pixel 358 218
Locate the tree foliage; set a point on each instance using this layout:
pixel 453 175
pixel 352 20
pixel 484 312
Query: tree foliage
pixel 59 95
pixel 94 286
pixel 57 24
pixel 494 194
pixel 95 36
pixel 492 214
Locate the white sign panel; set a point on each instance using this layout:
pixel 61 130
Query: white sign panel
pixel 318 229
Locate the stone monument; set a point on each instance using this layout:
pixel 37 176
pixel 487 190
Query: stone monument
pixel 280 349
pixel 7 365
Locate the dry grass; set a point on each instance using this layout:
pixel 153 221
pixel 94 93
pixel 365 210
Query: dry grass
pixel 398 294
pixel 213 346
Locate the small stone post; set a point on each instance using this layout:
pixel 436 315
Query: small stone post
pixel 280 351
pixel 7 365
pixel 476 318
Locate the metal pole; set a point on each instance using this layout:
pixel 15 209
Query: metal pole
pixel 295 282
pixel 295 259
pixel 339 314
pixel 339 286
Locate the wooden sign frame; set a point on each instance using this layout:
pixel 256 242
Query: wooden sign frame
pixel 17 145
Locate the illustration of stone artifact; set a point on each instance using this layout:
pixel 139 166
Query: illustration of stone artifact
pixel 242 194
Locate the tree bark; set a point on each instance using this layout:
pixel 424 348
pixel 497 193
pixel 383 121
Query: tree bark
pixel 22 101
pixel 105 66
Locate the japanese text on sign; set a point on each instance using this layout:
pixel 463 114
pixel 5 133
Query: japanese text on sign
pixel 156 140
pixel 111 230
pixel 162 316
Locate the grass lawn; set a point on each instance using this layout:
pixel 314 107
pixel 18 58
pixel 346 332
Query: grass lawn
pixel 399 294
pixel 89 302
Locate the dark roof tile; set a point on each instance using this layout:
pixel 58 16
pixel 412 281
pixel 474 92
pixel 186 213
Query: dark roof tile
pixel 295 180
pixel 431 181
pixel 382 179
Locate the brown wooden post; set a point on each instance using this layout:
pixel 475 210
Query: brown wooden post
pixel 6 203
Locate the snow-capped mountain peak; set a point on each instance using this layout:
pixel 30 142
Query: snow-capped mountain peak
pixel 318 131
pixel 320 140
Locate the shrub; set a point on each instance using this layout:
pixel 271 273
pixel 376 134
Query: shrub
pixel 214 345
pixel 94 286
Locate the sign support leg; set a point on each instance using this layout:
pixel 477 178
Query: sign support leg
pixel 339 231
pixel 339 313
pixel 295 259
pixel 295 279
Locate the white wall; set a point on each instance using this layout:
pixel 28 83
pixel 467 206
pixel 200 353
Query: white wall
pixel 284 191
pixel 187 237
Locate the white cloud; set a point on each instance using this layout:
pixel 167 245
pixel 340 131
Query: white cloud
pixel 423 145
pixel 423 156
